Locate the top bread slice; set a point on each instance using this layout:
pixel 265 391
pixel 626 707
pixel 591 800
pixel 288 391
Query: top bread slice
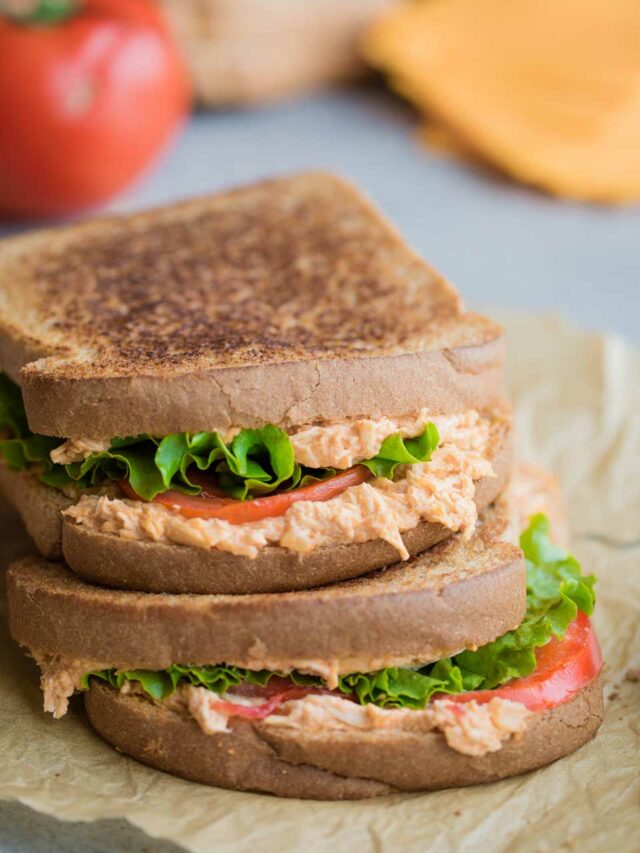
pixel 290 302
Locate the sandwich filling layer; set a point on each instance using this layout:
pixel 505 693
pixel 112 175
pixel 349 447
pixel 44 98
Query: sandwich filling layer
pixel 440 490
pixel 478 698
pixel 470 728
pixel 319 485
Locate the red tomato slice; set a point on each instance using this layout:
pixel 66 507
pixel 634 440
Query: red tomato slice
pixel 564 667
pixel 210 504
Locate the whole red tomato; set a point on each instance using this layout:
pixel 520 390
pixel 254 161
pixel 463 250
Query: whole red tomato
pixel 90 92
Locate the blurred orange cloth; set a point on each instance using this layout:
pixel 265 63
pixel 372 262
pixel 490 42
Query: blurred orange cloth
pixel 545 90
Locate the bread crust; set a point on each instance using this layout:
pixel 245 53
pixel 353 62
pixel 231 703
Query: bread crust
pixel 286 394
pixel 158 567
pixel 330 765
pixel 455 596
pixel 236 310
pixel 39 506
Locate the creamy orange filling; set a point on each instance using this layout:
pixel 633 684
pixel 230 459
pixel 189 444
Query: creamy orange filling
pixel 339 445
pixel 441 490
pixel 470 728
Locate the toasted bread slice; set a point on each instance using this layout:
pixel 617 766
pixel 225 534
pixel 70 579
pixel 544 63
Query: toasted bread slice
pixel 39 506
pixel 287 302
pixel 458 595
pixel 321 765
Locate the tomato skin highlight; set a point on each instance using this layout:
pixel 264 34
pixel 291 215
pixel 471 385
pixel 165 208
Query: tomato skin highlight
pixel 564 667
pixel 86 104
pixel 243 512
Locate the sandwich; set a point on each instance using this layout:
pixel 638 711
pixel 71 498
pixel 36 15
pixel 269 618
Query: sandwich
pixel 473 661
pixel 273 451
pixel 257 392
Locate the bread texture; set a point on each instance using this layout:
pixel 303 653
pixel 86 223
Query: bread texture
pixel 108 560
pixel 288 302
pixel 39 506
pixel 458 595
pixel 330 765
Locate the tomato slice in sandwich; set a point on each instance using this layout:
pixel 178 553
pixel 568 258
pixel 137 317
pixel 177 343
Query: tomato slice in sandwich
pixel 212 503
pixel 268 698
pixel 564 667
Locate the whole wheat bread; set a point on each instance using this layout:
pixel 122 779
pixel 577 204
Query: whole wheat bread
pixel 328 765
pixel 290 302
pixel 39 506
pixel 457 595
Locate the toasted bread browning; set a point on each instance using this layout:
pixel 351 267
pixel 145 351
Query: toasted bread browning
pixel 148 323
pixel 297 268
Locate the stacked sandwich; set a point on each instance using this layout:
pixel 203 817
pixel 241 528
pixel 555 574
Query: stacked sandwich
pixel 270 454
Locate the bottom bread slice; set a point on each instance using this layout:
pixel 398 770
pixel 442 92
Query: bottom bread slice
pixel 330 765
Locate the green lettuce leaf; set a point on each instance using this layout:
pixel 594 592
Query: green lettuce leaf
pixel 556 591
pixel 256 462
pixel 12 414
pixel 19 447
pixel 396 450
pixel 402 688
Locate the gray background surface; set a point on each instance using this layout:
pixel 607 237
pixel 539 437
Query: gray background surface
pixel 500 244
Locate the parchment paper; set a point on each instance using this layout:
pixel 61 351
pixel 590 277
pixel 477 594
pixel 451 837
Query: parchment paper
pixel 578 402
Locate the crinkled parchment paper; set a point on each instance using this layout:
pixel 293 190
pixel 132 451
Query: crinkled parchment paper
pixel 578 401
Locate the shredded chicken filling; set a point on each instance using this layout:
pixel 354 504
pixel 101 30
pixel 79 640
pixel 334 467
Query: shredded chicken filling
pixel 77 450
pixel 330 446
pixel 470 727
pixel 441 490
